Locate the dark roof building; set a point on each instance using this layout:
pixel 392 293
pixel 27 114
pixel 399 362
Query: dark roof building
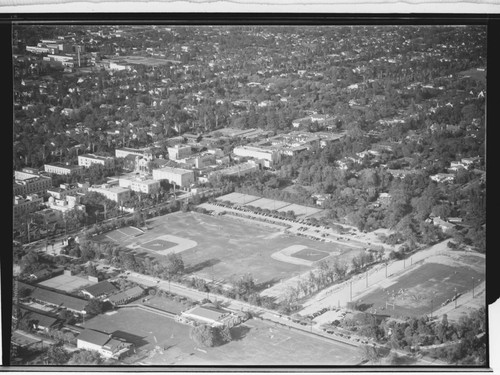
pixel 126 296
pixel 56 299
pixel 104 288
pixel 104 343
pixel 39 321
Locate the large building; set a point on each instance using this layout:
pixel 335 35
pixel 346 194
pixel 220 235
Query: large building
pixel 259 153
pixel 87 160
pixel 23 206
pixel 68 189
pixel 65 205
pixel 103 343
pixel 140 184
pixel 63 169
pixel 180 177
pixel 237 170
pixel 29 183
pixel 114 193
pixel 179 152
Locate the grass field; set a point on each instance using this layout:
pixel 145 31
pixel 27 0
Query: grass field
pixel 261 343
pixel 227 247
pixel 144 329
pixel 310 254
pixel 423 289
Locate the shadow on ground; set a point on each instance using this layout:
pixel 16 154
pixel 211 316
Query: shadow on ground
pixel 199 266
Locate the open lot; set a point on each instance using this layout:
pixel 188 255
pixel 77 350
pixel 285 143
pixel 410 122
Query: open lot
pixel 66 283
pixel 424 289
pixel 261 343
pixel 224 247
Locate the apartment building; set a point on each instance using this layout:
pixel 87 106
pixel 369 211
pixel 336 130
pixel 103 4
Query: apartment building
pixel 114 193
pixel 68 189
pixel 141 184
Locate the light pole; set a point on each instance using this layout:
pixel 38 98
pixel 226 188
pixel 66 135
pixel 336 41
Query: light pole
pixel 432 306
pixel 472 287
pixel 351 289
pixel 456 297
pixel 386 270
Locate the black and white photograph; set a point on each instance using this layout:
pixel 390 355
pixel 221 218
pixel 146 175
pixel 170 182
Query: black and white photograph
pixel 271 195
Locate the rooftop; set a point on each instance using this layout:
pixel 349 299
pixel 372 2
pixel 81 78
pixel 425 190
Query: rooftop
pixel 94 337
pixel 104 287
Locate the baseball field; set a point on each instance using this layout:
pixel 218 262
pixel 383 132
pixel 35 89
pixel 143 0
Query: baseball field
pixel 223 247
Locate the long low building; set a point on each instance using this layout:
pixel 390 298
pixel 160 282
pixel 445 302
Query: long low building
pixel 55 299
pixel 178 176
pixel 207 314
pixel 140 184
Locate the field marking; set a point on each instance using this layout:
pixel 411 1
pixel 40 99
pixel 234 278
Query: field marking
pixel 182 244
pixel 285 255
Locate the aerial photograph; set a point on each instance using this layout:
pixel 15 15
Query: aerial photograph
pixel 250 195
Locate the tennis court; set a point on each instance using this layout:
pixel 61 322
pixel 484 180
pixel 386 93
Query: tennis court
pixel 238 198
pixel 269 204
pixel 66 283
pixel 121 234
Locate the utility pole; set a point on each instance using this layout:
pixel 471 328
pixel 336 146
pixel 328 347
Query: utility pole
pixel 472 287
pixel 351 289
pixel 456 297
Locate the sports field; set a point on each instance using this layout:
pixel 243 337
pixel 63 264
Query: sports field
pixel 222 248
pixel 120 234
pixel 310 254
pixel 261 343
pixel 423 289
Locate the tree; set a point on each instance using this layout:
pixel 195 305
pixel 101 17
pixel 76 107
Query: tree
pixel 56 355
pixel 174 265
pixel 370 353
pixel 95 307
pixel 85 357
pixel 203 335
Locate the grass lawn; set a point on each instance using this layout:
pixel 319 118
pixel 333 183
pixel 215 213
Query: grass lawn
pixel 430 282
pixel 261 343
pixel 144 329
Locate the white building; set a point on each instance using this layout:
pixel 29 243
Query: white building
pixel 178 152
pixel 103 343
pixel 66 204
pixel 63 169
pixel 237 170
pixel 114 193
pixel 141 184
pixel 180 177
pixel 87 160
pixel 68 189
pixel 272 156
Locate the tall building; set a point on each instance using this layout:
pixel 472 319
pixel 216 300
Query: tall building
pixel 178 152
pixel 27 182
pixel 180 177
